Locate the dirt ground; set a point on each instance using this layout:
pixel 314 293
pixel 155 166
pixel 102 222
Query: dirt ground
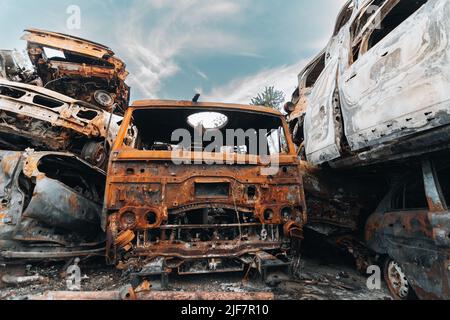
pixel 319 280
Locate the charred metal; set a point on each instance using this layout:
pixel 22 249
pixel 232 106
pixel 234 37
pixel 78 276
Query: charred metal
pixel 198 218
pixel 38 118
pixel 50 206
pixel 372 110
pixel 374 93
pixel 84 70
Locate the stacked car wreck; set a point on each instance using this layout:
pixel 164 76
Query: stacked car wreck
pixel 58 121
pixel 375 103
pixel 365 165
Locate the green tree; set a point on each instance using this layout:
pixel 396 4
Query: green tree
pixel 270 98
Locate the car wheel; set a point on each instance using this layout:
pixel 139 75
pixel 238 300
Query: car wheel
pixel 396 280
pixel 95 153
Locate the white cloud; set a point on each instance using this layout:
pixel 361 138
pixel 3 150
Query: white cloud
pixel 180 28
pixel 241 90
pixel 202 74
pixel 284 78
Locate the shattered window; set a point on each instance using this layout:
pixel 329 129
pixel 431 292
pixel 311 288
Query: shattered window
pixel 344 17
pixel 378 20
pixel 410 196
pixel 362 23
pixel 238 132
pixel 401 12
pixel 314 72
pixel 365 17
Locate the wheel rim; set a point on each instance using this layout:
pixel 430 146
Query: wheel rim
pixel 397 281
pixel 99 156
pixel 95 153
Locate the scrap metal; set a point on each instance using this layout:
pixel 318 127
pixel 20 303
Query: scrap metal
pixel 374 93
pixel 154 295
pixel 87 71
pixel 199 218
pixel 35 117
pixel 415 233
pixel 50 206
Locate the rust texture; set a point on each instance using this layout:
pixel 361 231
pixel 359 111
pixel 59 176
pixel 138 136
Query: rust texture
pixel 72 102
pixel 358 116
pixel 87 71
pixel 198 217
pixel 367 110
pixel 34 117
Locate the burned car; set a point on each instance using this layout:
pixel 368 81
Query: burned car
pixel 378 92
pixel 78 68
pixel 190 208
pixel 410 230
pixel 50 206
pixel 35 117
pixel 13 68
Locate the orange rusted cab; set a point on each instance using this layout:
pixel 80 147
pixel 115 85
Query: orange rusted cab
pixel 202 188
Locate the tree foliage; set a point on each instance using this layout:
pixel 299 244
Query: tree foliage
pixel 270 98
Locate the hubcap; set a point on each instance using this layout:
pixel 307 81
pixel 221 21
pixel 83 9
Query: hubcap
pixel 397 280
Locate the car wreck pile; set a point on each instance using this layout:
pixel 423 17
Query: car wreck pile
pixel 361 159
pixel 59 128
pixel 58 122
pixel 373 109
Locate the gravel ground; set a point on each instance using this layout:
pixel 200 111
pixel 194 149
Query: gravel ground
pixel 319 280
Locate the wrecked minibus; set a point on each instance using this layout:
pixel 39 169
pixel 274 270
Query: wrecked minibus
pixel 205 204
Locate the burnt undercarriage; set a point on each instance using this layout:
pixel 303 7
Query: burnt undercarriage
pixel 206 240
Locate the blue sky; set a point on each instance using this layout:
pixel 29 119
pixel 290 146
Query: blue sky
pixel 226 49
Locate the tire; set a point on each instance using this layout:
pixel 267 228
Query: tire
pixel 96 154
pixel 396 281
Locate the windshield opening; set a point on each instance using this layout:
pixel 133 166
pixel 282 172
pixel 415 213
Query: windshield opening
pixel 243 132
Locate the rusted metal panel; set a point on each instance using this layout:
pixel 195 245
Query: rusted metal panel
pixel 55 204
pixel 339 199
pixel 198 213
pixel 43 119
pixel 66 42
pixel 50 206
pixel 89 71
